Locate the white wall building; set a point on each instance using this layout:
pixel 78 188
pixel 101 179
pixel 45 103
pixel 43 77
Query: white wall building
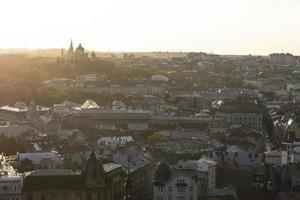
pixel 177 184
pixel 115 141
pixel 10 182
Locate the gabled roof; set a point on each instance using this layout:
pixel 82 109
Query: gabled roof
pixel 89 104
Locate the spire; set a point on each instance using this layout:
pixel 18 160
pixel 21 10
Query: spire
pixel 71 49
pixel 92 156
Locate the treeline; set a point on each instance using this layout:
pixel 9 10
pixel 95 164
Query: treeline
pixel 23 79
pixel 12 145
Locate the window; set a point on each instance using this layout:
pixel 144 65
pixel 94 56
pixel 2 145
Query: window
pixel 43 196
pixel 78 197
pixel 170 197
pixel 160 189
pixel 180 198
pixel 30 197
pixel 180 181
pixel 191 189
pixel 159 198
pixel 170 189
pixel 180 189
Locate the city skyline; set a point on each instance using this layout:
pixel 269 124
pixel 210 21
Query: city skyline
pixel 231 27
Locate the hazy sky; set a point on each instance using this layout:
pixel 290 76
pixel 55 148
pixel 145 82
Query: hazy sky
pixel 219 26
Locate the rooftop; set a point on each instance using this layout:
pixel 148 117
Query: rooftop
pixel 52 172
pixel 111 166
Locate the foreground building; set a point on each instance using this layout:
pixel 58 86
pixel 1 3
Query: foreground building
pixel 206 169
pixel 139 165
pixel 96 182
pixel 177 184
pixel 10 182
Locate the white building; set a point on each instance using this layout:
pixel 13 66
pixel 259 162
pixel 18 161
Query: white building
pixel 115 141
pixel 10 182
pixel 159 77
pixel 289 154
pixel 177 184
pixel 10 187
pixel 118 105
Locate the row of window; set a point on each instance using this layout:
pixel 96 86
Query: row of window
pixel 6 187
pixel 16 198
pixel 179 189
pixel 178 198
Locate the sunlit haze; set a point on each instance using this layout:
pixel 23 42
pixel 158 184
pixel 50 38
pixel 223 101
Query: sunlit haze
pixel 219 26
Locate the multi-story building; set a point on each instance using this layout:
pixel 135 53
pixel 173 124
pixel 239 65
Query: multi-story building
pixel 97 181
pixel 10 187
pixel 89 114
pixel 177 183
pixel 282 59
pixel 141 170
pixel 246 120
pixel 206 169
pixel 20 111
pixel 10 182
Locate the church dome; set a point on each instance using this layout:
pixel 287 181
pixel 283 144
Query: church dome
pixel 80 48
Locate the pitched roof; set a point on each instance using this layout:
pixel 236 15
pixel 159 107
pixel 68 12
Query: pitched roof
pixel 36 158
pixel 55 179
pixel 89 104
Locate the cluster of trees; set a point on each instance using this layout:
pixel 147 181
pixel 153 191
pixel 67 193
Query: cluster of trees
pixel 12 145
pixel 23 78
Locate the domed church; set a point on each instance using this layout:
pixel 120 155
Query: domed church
pixel 78 54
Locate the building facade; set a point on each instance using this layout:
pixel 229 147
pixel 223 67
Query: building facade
pixel 177 184
pixel 10 182
pixel 95 182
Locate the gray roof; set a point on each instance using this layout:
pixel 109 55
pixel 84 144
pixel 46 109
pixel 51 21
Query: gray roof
pixel 52 172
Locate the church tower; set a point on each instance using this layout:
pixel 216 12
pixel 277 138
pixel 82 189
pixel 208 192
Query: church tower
pixel 94 172
pixel 71 49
